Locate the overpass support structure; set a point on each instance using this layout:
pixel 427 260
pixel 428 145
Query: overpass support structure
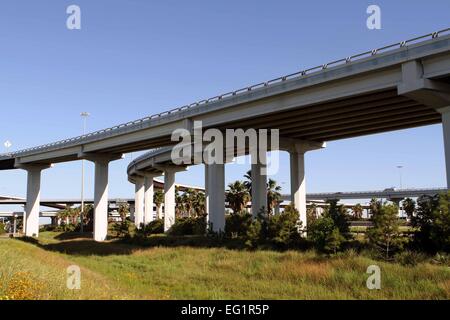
pixel 31 221
pixel 417 85
pixel 445 112
pixel 297 150
pixel 148 198
pixel 259 183
pixel 101 162
pixel 139 193
pixel 215 196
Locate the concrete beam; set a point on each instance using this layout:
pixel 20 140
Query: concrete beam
pixel 432 93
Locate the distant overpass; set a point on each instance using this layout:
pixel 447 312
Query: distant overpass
pixel 389 194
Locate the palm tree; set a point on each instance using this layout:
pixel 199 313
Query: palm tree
pixel 409 205
pixel 68 215
pixel 198 200
pixel 311 214
pixel 158 199
pixel 273 194
pixel 357 211
pixel 124 209
pixel 237 196
pixel 248 183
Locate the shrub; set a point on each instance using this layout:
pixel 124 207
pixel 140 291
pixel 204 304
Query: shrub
pixel 410 258
pixel 253 235
pixel 22 286
pixel 122 229
pixel 65 228
pixel 441 258
pixel 2 228
pixel 320 233
pixel 283 228
pixel 189 226
pixel 237 224
pixel 154 227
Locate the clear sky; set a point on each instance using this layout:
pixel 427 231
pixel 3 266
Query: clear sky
pixel 135 58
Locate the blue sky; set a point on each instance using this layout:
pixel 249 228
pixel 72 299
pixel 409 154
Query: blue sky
pixel 136 58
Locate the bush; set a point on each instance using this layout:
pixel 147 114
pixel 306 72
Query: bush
pixel 122 229
pixel 441 258
pixel 283 228
pixel 410 258
pixel 324 234
pixel 237 225
pixel 154 227
pixel 189 226
pixel 2 228
pixel 253 235
pixel 65 228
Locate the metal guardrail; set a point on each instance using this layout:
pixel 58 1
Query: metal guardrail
pixel 87 137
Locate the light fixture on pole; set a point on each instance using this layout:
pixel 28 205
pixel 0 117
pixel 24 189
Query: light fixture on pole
pixel 7 145
pixel 400 175
pixel 84 116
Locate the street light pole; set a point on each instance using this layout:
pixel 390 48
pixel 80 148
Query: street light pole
pixel 84 116
pixel 400 175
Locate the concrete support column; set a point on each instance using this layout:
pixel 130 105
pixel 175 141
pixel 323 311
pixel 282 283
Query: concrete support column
pixel 169 199
pixel 139 201
pixel 148 199
pixel 259 185
pixel 207 168
pixel 215 190
pixel 101 200
pixel 446 132
pixel 277 208
pixel 298 184
pixel 31 219
pixel 132 211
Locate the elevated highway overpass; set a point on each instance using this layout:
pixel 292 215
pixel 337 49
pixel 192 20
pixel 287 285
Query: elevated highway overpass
pixel 399 86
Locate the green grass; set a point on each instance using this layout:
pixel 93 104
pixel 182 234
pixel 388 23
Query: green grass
pixel 114 270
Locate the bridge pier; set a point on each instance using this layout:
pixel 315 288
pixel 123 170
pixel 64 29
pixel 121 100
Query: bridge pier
pixel 101 205
pixel 101 200
pixel 297 150
pixel 31 214
pixel 169 198
pixel 207 187
pixel 31 219
pixel 138 201
pixel 215 195
pixel 148 198
pixel 445 112
pixel 259 184
pixel 298 184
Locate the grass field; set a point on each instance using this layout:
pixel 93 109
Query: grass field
pixel 115 270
